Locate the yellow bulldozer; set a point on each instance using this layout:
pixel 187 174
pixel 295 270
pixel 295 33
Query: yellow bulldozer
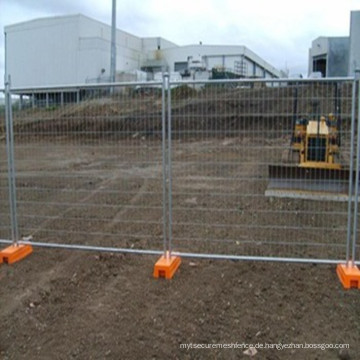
pixel 315 171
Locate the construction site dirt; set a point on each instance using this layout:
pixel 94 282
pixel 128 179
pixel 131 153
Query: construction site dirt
pixel 98 182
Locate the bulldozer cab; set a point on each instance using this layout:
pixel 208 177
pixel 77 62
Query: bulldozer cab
pixel 319 149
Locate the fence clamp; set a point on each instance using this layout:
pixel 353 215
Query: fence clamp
pixel 349 275
pixel 166 266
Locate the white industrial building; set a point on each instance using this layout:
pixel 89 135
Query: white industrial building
pixel 75 49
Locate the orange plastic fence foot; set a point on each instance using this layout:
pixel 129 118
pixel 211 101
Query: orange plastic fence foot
pixel 15 253
pixel 349 276
pixel 166 266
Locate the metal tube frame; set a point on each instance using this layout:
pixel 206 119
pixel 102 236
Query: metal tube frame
pixel 169 168
pixel 351 185
pixel 74 87
pixel 11 162
pixel 167 165
pixel 175 253
pixel 164 162
pixel 356 195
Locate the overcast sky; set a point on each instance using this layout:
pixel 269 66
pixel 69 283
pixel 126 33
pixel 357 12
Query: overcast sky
pixel 280 31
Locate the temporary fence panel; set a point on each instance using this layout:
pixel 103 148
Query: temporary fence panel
pixel 89 167
pixel 225 136
pixel 93 169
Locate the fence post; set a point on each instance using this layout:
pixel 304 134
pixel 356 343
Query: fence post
pixel 164 162
pixel 349 273
pixel 351 163
pixel 356 195
pixel 167 265
pixel 16 251
pixel 10 161
pixel 169 128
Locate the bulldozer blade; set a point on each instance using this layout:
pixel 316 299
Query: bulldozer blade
pixel 309 183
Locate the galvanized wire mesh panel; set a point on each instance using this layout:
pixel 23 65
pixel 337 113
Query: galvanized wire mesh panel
pixel 225 137
pixel 89 167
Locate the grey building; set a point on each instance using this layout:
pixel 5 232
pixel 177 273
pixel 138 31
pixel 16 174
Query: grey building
pixel 354 53
pixel 337 56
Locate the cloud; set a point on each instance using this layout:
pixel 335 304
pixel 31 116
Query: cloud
pixel 59 7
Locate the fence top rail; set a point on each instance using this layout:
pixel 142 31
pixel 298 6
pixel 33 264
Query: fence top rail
pixel 263 80
pixel 78 87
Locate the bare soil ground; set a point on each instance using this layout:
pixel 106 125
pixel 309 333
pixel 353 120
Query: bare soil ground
pixel 63 305
pixel 82 185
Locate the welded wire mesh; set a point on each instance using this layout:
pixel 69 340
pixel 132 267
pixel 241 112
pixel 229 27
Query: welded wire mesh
pixel 225 137
pixel 89 167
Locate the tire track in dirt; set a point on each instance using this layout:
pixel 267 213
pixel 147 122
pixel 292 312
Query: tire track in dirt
pixel 64 268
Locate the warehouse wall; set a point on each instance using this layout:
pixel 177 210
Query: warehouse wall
pixel 354 55
pixel 223 56
pixel 338 58
pixel 152 43
pixel 333 52
pixel 95 44
pixel 42 52
pixel 75 49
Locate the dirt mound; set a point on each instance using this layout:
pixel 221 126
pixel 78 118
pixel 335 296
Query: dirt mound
pixel 211 109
